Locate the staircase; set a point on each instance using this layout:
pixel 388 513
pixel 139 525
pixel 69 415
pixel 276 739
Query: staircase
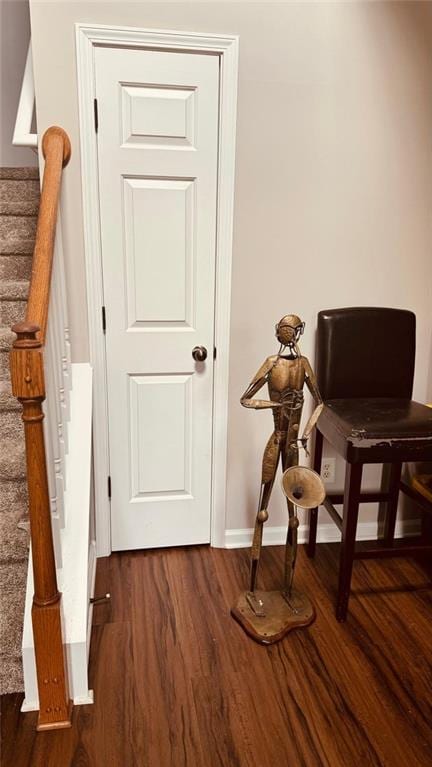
pixel 19 201
pixel 46 587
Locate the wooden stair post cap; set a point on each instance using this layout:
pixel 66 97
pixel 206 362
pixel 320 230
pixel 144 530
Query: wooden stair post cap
pixel 29 328
pixel 26 334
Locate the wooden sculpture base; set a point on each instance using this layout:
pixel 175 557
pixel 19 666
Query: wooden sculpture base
pixel 279 616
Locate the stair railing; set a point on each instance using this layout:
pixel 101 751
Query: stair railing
pixel 28 385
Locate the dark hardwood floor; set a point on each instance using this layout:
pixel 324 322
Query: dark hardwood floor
pixel 177 682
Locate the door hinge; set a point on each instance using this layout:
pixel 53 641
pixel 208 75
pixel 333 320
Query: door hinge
pixel 109 487
pixel 96 115
pixel 214 352
pixel 103 319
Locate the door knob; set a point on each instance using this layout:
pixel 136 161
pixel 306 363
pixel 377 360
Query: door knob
pixel 199 353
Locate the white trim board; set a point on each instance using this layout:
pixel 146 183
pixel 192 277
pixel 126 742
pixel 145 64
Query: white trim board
pixel 327 533
pixel 23 123
pixel 226 47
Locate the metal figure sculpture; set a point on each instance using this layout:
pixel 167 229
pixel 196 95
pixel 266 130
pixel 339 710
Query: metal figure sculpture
pixel 267 616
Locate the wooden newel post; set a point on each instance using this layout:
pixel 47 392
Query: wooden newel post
pixel 28 385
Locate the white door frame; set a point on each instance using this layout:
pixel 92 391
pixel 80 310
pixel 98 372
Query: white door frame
pixel 226 47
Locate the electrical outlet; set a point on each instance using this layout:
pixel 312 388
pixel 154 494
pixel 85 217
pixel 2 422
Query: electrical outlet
pixel 328 466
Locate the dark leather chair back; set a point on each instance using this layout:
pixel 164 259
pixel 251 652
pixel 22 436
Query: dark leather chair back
pixel 366 352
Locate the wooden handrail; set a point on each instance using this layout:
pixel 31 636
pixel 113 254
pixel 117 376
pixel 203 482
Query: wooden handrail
pixel 28 385
pixel 56 149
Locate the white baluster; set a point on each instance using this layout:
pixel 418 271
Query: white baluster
pixel 53 375
pixel 57 371
pixel 64 304
pixel 58 328
pixel 49 454
pixel 52 427
pixel 55 501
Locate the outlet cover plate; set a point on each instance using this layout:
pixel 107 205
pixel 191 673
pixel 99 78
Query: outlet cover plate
pixel 328 470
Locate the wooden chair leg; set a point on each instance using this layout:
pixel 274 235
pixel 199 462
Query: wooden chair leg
pixel 392 504
pixel 313 513
pixel 426 527
pixel 353 475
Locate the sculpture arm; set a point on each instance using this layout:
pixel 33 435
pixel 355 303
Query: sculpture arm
pixel 312 385
pixel 311 381
pixel 261 378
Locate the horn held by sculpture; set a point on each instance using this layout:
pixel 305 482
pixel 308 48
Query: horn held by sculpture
pixel 303 487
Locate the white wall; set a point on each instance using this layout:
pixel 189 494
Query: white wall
pixel 14 40
pixel 334 175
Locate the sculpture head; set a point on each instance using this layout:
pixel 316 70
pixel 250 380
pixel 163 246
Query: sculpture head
pixel 289 329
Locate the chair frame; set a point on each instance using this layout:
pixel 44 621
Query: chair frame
pixel 351 498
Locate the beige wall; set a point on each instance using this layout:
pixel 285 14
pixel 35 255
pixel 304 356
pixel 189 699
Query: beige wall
pixel 333 183
pixel 14 40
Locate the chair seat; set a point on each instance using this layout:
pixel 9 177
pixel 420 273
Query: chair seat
pixel 367 430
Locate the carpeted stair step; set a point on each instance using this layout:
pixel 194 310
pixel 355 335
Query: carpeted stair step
pixel 6 341
pixel 13 493
pixel 17 234
pixel 7 401
pixel 14 540
pixel 12 312
pixel 12 460
pixel 13 301
pixel 14 290
pixel 7 338
pixel 19 174
pixel 15 268
pixel 5 376
pixel 13 578
pixel 11 425
pixel 19 197
pixel 16 247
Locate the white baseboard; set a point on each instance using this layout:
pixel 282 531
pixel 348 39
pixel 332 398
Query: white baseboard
pixel 84 700
pixel 29 705
pixel 327 533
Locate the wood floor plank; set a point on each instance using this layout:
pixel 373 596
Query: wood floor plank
pixel 177 683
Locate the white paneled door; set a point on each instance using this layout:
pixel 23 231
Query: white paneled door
pixel 157 153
